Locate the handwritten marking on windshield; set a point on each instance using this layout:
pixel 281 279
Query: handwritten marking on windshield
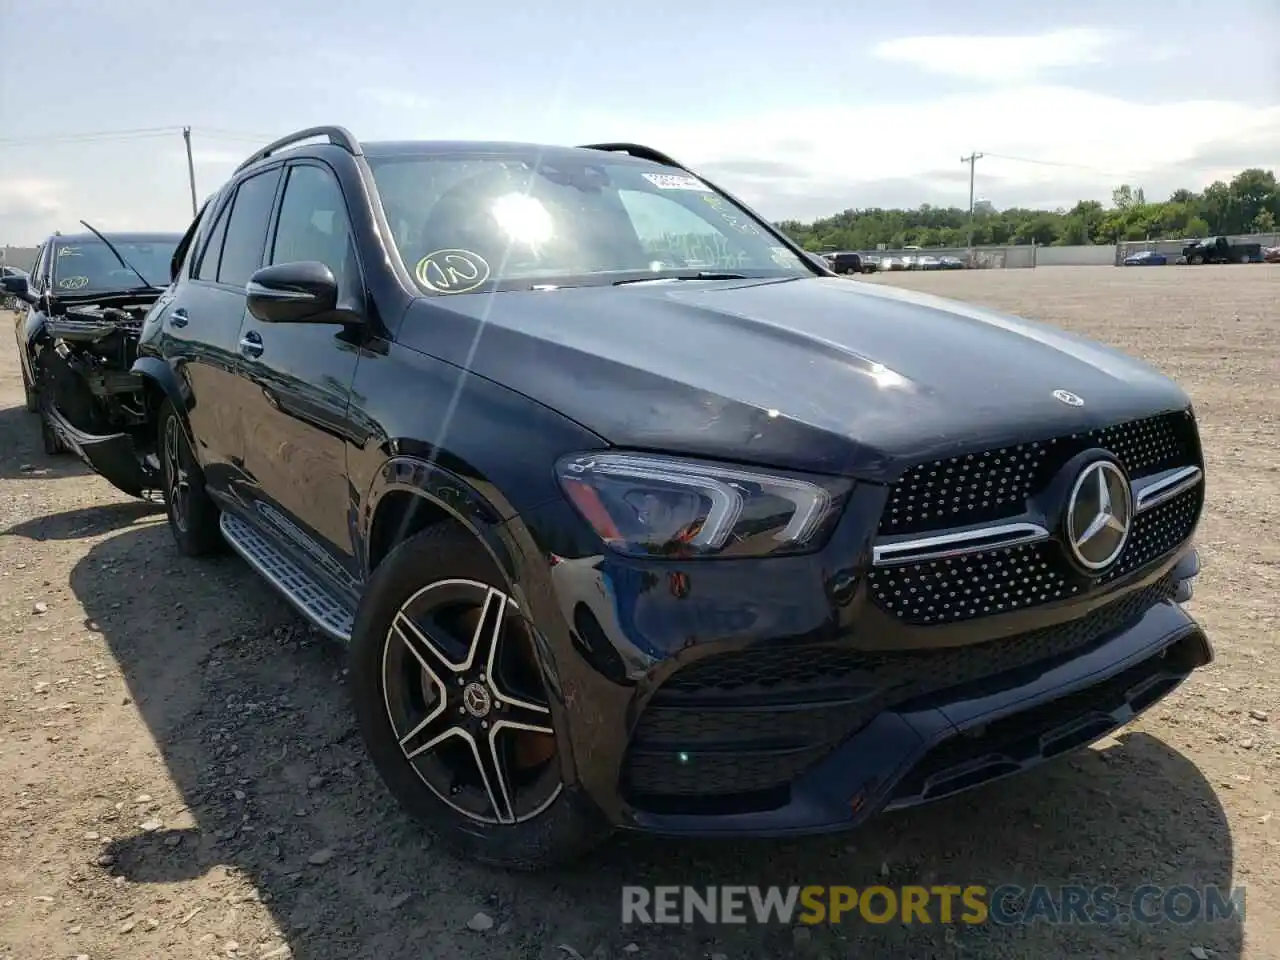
pixel 73 283
pixel 452 271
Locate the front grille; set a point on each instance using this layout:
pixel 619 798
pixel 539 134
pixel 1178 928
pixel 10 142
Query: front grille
pixel 954 589
pixel 1159 531
pixel 730 733
pixel 994 485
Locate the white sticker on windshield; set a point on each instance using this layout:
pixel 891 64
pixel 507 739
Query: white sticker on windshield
pixel 673 181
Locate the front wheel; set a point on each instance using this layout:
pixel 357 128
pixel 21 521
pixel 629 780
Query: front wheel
pixel 49 438
pixel 32 399
pixel 451 701
pixel 193 516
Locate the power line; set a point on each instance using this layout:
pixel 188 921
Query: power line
pixel 141 133
pixel 1057 163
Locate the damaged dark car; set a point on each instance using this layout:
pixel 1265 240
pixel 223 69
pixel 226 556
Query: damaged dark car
pixel 86 298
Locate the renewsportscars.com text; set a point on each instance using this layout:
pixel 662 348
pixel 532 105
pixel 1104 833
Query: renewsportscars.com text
pixel 945 904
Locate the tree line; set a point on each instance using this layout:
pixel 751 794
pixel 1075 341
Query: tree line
pixel 1250 203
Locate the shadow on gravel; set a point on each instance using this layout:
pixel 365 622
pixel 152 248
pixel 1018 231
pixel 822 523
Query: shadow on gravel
pixel 249 710
pixel 86 522
pixel 24 458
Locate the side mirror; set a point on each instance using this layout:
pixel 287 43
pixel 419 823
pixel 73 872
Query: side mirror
pixel 16 286
pixel 302 292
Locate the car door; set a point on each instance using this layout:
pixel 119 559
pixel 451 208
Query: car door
pixel 30 314
pixel 296 418
pixel 202 325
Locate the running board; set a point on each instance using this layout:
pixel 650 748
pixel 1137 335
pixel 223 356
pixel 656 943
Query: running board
pixel 313 600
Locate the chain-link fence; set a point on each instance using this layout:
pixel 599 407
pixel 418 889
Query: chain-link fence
pixel 1173 248
pixel 975 258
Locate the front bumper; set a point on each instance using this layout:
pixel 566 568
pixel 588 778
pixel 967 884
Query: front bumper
pixel 968 736
pixel 768 699
pixel 113 456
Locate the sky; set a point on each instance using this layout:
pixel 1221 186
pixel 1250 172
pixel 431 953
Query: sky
pixel 801 109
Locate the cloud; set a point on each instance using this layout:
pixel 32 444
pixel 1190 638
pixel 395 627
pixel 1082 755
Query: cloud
pixel 219 157
pixel 30 207
pixel 396 98
pixel 816 160
pixel 998 58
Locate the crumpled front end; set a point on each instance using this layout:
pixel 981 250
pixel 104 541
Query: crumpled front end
pixel 89 398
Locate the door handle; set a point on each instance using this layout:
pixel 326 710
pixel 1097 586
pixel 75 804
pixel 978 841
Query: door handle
pixel 251 345
pixel 179 318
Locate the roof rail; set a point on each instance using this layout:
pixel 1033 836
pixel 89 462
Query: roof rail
pixel 338 136
pixel 638 150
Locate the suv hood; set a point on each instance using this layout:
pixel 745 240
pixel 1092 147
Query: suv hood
pixel 822 374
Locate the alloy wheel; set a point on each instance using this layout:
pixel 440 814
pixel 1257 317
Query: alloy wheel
pixel 177 480
pixel 466 702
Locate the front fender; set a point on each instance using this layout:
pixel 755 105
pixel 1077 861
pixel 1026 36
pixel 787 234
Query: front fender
pixel 443 490
pixel 161 374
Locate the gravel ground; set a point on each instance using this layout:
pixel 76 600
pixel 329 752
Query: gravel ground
pixel 180 775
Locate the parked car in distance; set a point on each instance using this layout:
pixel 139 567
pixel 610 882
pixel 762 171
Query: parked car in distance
pixel 951 263
pixel 846 262
pixel 76 336
pixel 7 300
pixel 1146 258
pixel 619 543
pixel 926 262
pixel 1271 255
pixel 1222 250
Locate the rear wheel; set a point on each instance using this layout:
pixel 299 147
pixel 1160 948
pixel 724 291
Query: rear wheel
pixel 193 516
pixel 453 707
pixel 1197 259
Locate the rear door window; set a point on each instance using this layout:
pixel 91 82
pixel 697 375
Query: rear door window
pixel 246 234
pixel 211 253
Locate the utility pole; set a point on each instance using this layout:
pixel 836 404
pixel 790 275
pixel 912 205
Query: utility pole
pixel 191 174
pixel 972 160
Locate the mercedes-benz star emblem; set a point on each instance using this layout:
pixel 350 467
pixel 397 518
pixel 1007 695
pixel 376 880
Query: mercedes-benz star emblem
pixel 1099 513
pixel 476 699
pixel 1069 398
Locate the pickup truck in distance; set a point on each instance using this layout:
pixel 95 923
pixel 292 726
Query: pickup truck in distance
pixel 632 516
pixel 1222 250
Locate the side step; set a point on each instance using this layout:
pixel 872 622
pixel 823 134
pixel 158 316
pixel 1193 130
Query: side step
pixel 312 599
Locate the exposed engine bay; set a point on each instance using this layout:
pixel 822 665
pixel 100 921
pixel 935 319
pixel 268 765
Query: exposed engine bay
pixel 86 368
pixel 81 358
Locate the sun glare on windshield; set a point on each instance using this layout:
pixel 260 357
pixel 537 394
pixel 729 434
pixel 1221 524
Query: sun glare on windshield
pixel 523 219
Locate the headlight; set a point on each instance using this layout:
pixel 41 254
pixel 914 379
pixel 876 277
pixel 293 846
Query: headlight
pixel 654 506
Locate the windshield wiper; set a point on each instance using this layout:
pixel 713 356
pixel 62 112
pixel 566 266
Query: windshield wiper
pixel 146 284
pixel 700 275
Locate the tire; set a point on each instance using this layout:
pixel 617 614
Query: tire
pixel 545 824
pixel 52 444
pixel 33 401
pixel 1197 259
pixel 193 516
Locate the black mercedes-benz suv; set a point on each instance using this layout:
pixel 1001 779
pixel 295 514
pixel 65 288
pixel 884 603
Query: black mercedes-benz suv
pixel 634 516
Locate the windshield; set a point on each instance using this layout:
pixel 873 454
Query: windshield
pixel 466 223
pixel 89 266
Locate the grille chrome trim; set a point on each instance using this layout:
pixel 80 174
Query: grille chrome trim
pixel 1154 492
pixel 943 545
